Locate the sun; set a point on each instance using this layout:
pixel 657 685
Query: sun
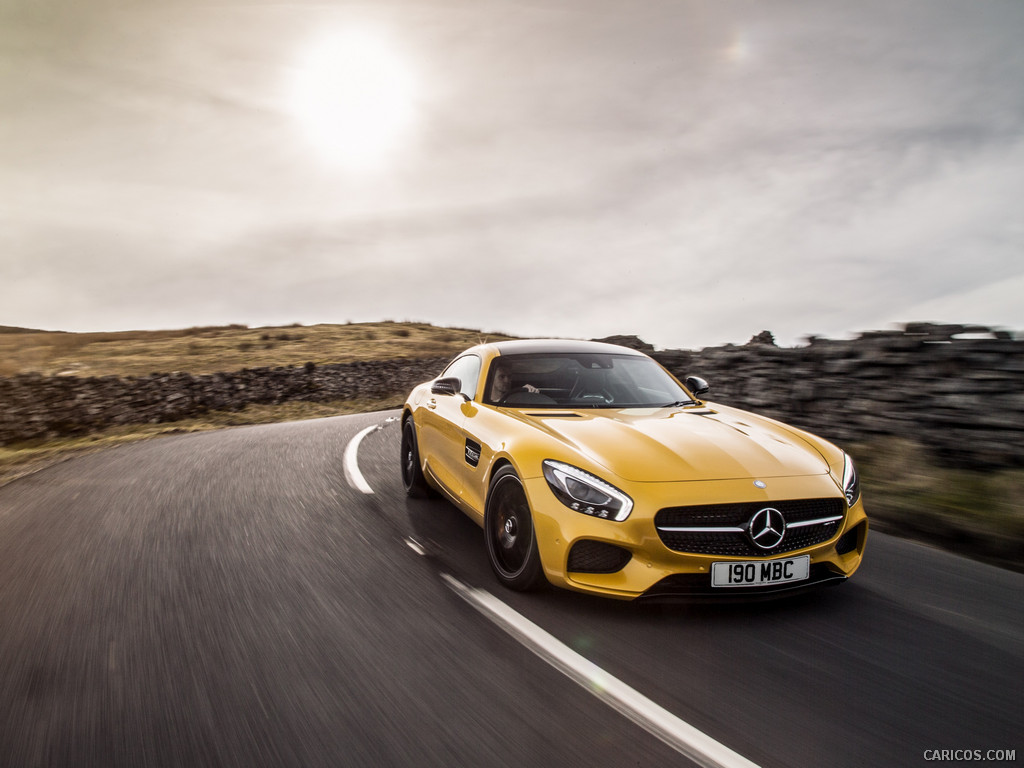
pixel 352 94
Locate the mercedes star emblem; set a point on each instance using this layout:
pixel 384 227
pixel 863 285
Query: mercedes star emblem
pixel 767 527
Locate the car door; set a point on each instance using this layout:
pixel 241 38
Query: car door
pixel 485 429
pixel 442 441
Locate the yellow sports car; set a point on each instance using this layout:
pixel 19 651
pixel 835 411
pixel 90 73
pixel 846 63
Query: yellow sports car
pixel 589 466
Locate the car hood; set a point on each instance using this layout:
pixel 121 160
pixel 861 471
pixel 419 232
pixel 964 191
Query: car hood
pixel 664 445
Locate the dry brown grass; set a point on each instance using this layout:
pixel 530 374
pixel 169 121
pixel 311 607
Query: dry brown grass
pixel 226 348
pixel 976 513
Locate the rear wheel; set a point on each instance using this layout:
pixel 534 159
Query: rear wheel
pixel 412 473
pixel 508 530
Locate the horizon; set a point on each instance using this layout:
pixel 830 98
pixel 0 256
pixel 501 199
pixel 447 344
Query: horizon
pixel 969 331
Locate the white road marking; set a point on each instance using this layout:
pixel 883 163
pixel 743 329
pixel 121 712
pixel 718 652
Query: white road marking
pixel 415 546
pixel 656 720
pixel 678 734
pixel 351 464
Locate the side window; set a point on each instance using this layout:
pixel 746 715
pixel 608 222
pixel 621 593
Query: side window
pixel 467 370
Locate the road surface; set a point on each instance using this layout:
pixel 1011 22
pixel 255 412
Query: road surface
pixel 232 598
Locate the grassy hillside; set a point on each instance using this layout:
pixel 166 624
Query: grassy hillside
pixel 225 348
pixel 11 329
pixel 209 350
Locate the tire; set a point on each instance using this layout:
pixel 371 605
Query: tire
pixel 412 473
pixel 508 531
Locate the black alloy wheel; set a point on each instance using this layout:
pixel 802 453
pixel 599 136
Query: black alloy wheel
pixel 412 473
pixel 508 530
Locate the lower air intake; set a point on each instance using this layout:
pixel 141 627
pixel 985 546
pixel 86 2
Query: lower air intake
pixel 597 557
pixel 848 541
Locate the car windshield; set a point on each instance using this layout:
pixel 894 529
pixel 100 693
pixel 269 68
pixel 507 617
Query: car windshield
pixel 581 381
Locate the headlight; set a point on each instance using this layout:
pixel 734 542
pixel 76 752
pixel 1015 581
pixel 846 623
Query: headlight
pixel 851 481
pixel 583 492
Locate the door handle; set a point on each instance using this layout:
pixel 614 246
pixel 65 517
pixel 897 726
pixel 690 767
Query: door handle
pixel 432 404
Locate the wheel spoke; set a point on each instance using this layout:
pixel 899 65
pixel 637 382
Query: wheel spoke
pixel 508 530
pixel 511 528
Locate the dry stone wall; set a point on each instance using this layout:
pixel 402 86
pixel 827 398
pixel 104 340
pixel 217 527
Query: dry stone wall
pixel 942 386
pixel 960 395
pixel 34 407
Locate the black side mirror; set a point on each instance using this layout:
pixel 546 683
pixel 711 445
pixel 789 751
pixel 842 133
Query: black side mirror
pixel 449 386
pixel 697 385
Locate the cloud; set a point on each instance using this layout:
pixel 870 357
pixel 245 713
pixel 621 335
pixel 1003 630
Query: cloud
pixel 690 172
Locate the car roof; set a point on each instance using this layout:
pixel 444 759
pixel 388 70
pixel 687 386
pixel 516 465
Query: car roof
pixel 560 346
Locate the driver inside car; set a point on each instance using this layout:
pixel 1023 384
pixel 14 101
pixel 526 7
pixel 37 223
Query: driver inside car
pixel 502 385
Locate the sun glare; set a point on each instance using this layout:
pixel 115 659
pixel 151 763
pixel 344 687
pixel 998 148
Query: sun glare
pixel 353 96
pixel 738 52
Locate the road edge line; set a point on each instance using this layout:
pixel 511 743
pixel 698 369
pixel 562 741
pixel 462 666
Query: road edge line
pixel 350 462
pixel 653 718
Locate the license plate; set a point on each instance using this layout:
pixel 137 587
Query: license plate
pixel 760 572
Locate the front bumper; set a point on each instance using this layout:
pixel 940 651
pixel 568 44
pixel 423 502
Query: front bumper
pixel 647 567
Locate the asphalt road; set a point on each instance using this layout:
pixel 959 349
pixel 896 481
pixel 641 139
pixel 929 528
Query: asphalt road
pixel 228 599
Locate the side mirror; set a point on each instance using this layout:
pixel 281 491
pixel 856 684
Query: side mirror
pixel 449 386
pixel 697 385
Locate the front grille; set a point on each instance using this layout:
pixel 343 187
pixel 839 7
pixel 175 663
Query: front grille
pixel 737 543
pixel 597 557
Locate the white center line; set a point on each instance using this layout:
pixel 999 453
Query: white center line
pixel 351 465
pixel 678 734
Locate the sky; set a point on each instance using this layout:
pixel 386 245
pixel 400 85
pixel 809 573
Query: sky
pixel 689 171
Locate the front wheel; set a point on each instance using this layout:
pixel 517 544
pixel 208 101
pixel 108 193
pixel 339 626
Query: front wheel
pixel 508 530
pixel 412 473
